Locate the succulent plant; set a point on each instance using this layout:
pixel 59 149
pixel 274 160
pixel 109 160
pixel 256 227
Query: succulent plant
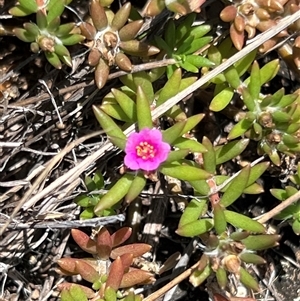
pixel 47 34
pixel 96 189
pixel 229 254
pixel 292 212
pixel 111 37
pixel 107 277
pixel 271 120
pixel 151 155
pixel 181 42
pixel 247 17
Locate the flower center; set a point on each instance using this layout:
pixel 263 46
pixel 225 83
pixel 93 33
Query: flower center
pixel 145 150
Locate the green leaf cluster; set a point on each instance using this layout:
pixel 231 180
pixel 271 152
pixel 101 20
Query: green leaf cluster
pixel 271 120
pixel 292 212
pixel 181 41
pixel 88 201
pixel 47 34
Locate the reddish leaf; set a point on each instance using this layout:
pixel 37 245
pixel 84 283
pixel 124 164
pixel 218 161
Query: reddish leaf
pixel 115 275
pixel 136 276
pixel 120 236
pixel 68 264
pixel 127 261
pixel 136 250
pixel 84 241
pixel 104 244
pixel 86 271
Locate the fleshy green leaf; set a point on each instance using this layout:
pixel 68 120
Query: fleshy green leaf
pixel 98 179
pixel 221 100
pixel 20 11
pixel 194 45
pixel 177 155
pixel 254 84
pixel 239 129
pixel 108 125
pixel 184 28
pixel 24 35
pixel 219 219
pixel 72 39
pixel 248 280
pixel 243 222
pixel 77 293
pixel 261 242
pixel 192 145
pixel 126 103
pixel 199 61
pixel 169 34
pixel 136 187
pixel 188 66
pixel 184 172
pixel 198 277
pixel 243 64
pixel 115 194
pixel 55 9
pixel 256 171
pixel 269 71
pixel 191 122
pixel 193 211
pixel 174 132
pixel 195 228
pixel 232 77
pixel 171 87
pixel 142 79
pixel 253 189
pixel 31 5
pixel 209 157
pixel 236 187
pixel 53 59
pixel 200 186
pixel 230 150
pixel 248 100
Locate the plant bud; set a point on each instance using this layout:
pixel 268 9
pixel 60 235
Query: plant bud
pixel 232 263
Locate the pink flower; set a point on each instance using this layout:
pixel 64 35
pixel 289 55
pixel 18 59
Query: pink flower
pixel 146 150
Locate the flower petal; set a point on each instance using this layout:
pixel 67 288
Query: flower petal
pixel 153 145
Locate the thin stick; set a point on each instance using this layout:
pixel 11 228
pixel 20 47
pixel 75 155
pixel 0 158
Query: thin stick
pixel 172 283
pixel 294 198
